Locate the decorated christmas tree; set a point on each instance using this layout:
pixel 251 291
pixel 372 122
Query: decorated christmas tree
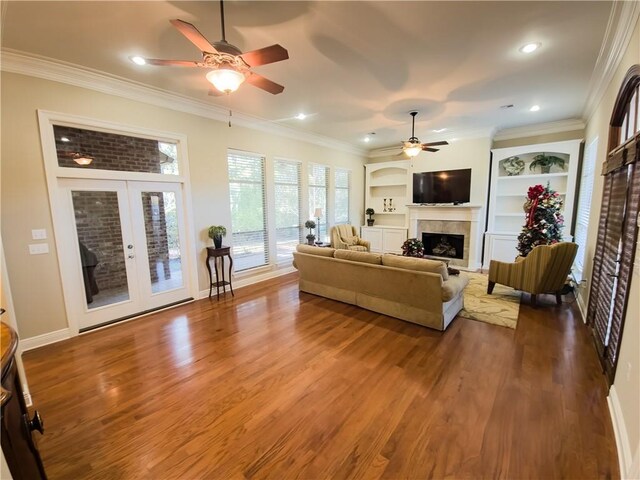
pixel 544 222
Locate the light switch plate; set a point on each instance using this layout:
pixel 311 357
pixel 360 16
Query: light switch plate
pixel 39 234
pixel 38 248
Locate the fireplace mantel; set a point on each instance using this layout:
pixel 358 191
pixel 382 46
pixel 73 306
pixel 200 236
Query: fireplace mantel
pixel 452 213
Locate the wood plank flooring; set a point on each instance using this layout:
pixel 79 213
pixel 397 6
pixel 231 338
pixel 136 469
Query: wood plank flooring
pixel 280 384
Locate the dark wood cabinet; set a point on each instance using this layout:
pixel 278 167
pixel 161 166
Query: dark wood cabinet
pixel 18 446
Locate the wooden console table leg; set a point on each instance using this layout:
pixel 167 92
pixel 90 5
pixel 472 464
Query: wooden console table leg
pixel 230 267
pixel 217 281
pixel 224 287
pixel 210 277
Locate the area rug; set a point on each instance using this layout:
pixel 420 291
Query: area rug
pixel 499 308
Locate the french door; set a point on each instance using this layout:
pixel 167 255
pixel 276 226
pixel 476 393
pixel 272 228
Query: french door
pixel 124 248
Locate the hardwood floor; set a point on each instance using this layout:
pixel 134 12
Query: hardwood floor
pixel 280 384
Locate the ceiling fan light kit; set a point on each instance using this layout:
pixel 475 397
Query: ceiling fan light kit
pixel 413 147
pixel 229 67
pixel 226 80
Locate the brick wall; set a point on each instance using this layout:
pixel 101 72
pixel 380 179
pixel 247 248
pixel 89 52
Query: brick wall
pixel 98 227
pixel 109 150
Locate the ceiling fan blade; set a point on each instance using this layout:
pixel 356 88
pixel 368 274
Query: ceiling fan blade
pixel 171 63
pixel 193 35
pixel 264 83
pixel 272 54
pixel 433 144
pixel 429 149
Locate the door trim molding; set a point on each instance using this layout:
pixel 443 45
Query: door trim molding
pixel 46 120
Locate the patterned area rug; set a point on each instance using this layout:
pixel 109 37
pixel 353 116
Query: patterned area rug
pixel 499 308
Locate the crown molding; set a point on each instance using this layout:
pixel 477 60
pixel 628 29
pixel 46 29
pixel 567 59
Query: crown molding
pixel 568 125
pixel 622 22
pixel 22 63
pixel 451 136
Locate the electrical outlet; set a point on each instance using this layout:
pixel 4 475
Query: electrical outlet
pixel 39 234
pixel 38 248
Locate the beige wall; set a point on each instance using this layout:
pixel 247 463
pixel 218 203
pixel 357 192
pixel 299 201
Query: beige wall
pixel 35 279
pixel 532 140
pixel 468 153
pixel 627 381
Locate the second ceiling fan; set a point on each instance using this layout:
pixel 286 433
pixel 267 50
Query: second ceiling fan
pixel 413 147
pixel 228 66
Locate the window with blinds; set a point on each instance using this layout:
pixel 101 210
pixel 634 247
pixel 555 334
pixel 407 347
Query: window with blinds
pixel 248 210
pixel 342 193
pixel 288 208
pixel 584 207
pixel 318 184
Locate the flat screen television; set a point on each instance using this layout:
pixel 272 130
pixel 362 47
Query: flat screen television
pixel 448 186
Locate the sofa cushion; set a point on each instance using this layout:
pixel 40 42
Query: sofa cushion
pixel 418 264
pixel 355 256
pixel 313 250
pixel 453 286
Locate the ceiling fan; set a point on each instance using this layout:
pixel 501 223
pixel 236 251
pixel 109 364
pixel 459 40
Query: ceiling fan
pixel 228 66
pixel 413 147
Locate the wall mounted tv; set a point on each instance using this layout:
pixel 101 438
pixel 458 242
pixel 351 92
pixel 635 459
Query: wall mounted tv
pixel 448 186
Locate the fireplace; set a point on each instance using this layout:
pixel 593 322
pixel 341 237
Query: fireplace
pixel 443 245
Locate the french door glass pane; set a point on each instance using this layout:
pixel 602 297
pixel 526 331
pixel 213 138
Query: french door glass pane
pixel 163 240
pixel 101 251
pixel 90 149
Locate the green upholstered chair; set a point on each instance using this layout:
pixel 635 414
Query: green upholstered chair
pixel 346 237
pixel 544 270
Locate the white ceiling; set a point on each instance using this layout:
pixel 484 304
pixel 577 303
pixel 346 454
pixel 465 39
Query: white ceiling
pixel 355 67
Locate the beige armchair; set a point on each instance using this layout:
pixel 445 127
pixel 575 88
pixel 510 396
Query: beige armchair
pixel 346 237
pixel 544 270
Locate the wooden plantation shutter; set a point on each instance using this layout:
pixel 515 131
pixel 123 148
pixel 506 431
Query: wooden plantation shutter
pixel 618 227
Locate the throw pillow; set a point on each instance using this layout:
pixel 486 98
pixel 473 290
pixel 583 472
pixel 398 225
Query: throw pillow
pixel 350 240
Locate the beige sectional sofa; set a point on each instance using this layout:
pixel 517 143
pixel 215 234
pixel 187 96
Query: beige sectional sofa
pixel 412 289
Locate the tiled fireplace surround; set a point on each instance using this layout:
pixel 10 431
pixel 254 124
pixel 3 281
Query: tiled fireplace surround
pixel 451 219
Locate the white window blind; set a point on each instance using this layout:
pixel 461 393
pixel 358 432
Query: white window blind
pixel 248 210
pixel 342 186
pixel 288 217
pixel 584 206
pixel 318 183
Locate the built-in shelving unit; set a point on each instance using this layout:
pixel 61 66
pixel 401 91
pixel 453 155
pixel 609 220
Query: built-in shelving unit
pixel 509 192
pixel 387 184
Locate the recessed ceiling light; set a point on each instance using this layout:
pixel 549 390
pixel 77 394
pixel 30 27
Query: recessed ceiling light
pixel 530 47
pixel 64 139
pixel 535 108
pixel 367 139
pixel 440 130
pixel 301 116
pixel 138 60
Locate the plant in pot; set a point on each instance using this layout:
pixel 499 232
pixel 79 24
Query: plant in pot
pixel 216 232
pixel 412 248
pixel 370 212
pixel 310 224
pixel 545 162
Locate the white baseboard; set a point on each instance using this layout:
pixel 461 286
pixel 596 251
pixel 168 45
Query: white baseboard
pixel 629 466
pixel 582 308
pixel 250 280
pixel 44 339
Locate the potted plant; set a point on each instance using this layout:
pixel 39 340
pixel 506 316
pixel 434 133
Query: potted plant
pixel 412 248
pixel 216 232
pixel 310 224
pixel 545 162
pixel 370 211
